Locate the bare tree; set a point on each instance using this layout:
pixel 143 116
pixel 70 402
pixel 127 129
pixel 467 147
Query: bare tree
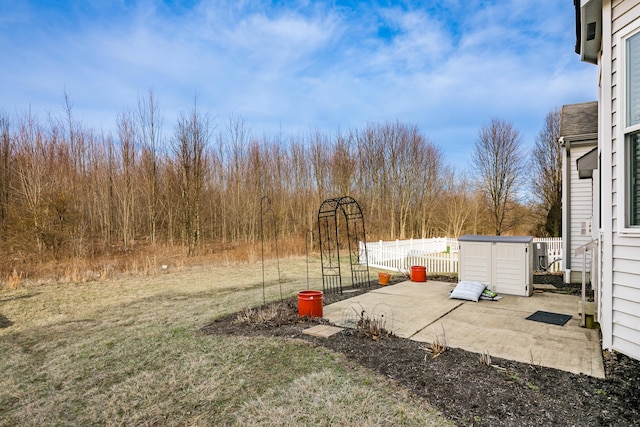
pixel 103 168
pixel 432 184
pixel 320 161
pixel 68 192
pixel 71 142
pixel 31 181
pixel 191 138
pixel 457 207
pixel 76 144
pixel 149 129
pixel 5 157
pixel 373 175
pixel 303 204
pixel 237 137
pixel 499 163
pixel 342 164
pixel 216 190
pixel 126 134
pixel 546 164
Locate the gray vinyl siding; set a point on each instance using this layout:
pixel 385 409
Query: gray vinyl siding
pixel 581 207
pixel 625 289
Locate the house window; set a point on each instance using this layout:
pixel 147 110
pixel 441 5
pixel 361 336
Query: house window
pixel 633 149
pixel 632 130
pixel 633 80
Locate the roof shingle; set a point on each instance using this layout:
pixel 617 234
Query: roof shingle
pixel 579 119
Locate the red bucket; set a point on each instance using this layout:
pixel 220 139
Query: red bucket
pixel 383 278
pixel 418 273
pixel 310 303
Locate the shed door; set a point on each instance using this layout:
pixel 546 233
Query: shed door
pixel 510 265
pixel 476 262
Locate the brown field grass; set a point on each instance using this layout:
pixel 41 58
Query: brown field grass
pixel 125 349
pixel 139 259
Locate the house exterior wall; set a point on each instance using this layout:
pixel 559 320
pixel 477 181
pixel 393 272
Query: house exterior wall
pixel 619 303
pixel 581 193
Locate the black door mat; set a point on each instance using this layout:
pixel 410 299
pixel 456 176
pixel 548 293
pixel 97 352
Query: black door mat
pixel 551 318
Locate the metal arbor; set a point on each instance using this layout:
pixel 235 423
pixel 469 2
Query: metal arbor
pixel 330 232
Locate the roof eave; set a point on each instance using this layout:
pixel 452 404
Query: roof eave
pixel 587 163
pixel 588 29
pixel 585 138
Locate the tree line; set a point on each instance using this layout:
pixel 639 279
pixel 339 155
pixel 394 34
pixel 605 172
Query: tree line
pixel 69 191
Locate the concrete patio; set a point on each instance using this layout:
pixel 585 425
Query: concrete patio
pixel 422 311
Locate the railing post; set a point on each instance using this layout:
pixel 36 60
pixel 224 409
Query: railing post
pixel 451 266
pixel 583 321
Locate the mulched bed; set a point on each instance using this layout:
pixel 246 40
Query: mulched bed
pixel 460 384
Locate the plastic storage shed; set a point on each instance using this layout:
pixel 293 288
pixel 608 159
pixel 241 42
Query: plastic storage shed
pixel 504 262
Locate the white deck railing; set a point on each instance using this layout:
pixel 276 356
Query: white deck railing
pixel 439 255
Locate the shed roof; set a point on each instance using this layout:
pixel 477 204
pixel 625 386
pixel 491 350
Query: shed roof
pixel 579 119
pixel 497 239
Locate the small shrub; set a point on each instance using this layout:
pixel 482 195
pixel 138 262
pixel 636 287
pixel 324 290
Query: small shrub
pixel 73 275
pixel 14 279
pixel 532 362
pixel 245 316
pixel 533 386
pixel 373 327
pixel 485 358
pixel 274 313
pixel 150 266
pixel 439 344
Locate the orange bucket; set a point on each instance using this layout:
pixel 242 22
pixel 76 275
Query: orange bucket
pixel 383 278
pixel 418 273
pixel 310 303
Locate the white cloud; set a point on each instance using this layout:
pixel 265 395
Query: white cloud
pixel 446 67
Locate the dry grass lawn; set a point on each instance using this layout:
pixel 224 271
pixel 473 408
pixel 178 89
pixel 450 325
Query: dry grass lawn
pixel 126 351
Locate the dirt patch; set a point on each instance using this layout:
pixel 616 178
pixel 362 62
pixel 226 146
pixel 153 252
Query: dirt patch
pixel 557 280
pixel 467 388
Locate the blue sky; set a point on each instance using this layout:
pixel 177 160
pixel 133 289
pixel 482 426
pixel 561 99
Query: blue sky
pixel 294 66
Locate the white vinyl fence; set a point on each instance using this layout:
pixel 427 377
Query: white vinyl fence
pixel 554 252
pixel 439 255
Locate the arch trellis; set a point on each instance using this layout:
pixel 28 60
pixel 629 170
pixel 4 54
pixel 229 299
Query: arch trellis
pixel 330 231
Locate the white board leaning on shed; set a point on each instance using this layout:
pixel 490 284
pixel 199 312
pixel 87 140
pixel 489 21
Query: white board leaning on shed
pixel 504 262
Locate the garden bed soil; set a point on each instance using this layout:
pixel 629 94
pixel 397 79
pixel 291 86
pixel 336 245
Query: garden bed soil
pixel 464 386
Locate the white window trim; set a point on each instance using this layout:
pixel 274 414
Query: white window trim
pixel 622 166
